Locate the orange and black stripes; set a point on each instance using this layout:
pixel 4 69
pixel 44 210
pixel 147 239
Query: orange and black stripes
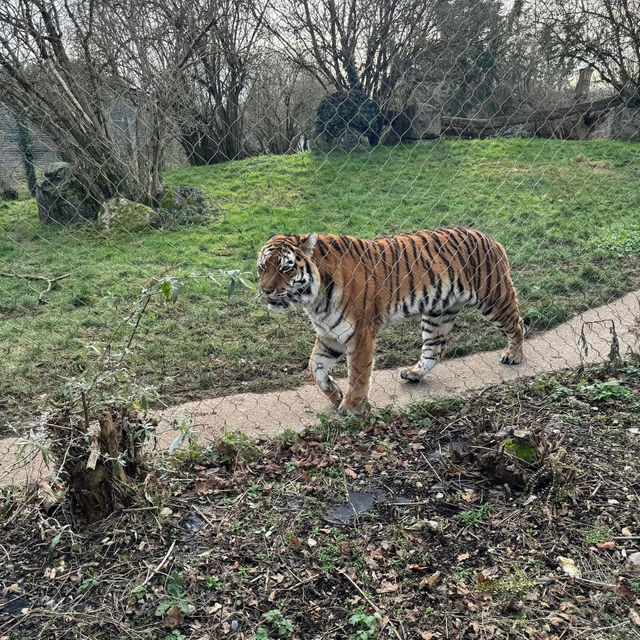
pixel 350 287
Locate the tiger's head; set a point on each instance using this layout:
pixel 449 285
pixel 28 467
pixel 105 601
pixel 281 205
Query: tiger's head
pixel 287 272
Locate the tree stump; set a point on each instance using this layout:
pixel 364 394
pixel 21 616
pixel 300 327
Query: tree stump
pixel 61 197
pixel 582 127
pixel 99 462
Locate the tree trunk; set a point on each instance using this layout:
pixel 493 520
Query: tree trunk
pixel 480 127
pixel 581 129
pixel 25 142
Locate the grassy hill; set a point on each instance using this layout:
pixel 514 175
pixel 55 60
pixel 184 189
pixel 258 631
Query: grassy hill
pixel 567 212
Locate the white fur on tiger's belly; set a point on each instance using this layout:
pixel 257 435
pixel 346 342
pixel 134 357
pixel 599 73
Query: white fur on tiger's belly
pixel 329 325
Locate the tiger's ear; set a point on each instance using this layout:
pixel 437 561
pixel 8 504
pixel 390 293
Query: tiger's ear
pixel 309 244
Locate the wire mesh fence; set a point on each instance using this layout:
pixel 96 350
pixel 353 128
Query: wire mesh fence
pixel 148 151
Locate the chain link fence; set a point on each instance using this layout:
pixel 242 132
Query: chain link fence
pixel 149 150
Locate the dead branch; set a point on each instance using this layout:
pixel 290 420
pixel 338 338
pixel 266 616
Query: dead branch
pixel 50 282
pixel 478 127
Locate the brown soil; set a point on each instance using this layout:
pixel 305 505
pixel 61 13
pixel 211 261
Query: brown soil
pixel 513 514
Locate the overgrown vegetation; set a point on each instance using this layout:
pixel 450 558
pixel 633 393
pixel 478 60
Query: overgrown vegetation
pixel 570 229
pixel 343 110
pixel 464 535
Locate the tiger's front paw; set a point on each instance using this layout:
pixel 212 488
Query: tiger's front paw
pixel 354 407
pixel 511 358
pixel 334 394
pixel 411 375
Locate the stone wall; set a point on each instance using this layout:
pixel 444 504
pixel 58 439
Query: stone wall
pixel 11 166
pixel 123 117
pixel 625 124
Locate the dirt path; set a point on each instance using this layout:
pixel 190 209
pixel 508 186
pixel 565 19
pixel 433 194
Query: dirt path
pixel 266 414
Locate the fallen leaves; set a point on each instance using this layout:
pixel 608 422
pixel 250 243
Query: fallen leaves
pixel 623 590
pixel 471 495
pixel 295 543
pixel 431 581
pixel 173 618
pixel 569 567
pixel 609 546
pixel 270 548
pixel 388 587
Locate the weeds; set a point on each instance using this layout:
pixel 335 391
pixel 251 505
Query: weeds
pixel 596 536
pixel 326 557
pixel 608 391
pixel 213 583
pixel 522 450
pixel 237 445
pixel 477 516
pixel 515 585
pixel 278 626
pixel 432 556
pixel 366 626
pixel 548 385
pixel 179 598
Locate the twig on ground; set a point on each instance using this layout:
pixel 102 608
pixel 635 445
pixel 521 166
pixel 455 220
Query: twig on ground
pixel 50 281
pixel 300 582
pixel 204 517
pixel 157 569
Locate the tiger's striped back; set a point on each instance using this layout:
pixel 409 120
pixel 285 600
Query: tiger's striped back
pixel 414 273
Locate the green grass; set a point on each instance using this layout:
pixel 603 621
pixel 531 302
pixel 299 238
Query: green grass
pixel 572 233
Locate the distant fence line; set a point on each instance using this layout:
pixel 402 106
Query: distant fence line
pixel 45 150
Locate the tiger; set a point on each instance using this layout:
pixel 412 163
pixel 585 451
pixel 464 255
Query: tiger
pixel 351 287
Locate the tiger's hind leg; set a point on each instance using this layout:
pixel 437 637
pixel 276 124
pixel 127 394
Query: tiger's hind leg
pixel 323 358
pixel 509 321
pixel 514 329
pixel 435 331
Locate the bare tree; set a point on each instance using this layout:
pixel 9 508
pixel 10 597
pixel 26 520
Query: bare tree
pixel 64 64
pixel 44 83
pixel 348 44
pixel 281 106
pixel 603 34
pixel 214 86
pixel 527 81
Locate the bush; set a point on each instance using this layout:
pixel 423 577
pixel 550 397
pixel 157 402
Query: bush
pixel 180 205
pixel 342 110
